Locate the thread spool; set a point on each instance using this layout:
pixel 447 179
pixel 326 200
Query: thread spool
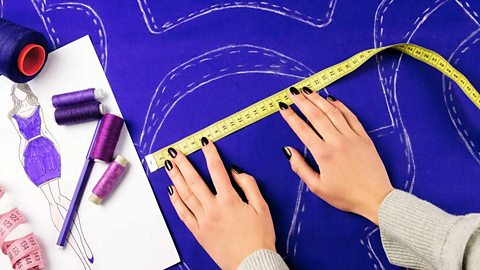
pixel 80 113
pixel 23 52
pixel 107 138
pixel 109 180
pixel 77 97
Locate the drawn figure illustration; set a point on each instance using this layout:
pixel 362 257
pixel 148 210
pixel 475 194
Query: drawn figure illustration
pixel 40 158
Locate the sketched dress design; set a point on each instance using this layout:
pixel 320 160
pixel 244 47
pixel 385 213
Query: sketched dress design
pixel 41 159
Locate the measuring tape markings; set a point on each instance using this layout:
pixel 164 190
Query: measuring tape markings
pixel 318 81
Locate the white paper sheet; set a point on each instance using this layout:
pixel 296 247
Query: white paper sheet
pixel 126 232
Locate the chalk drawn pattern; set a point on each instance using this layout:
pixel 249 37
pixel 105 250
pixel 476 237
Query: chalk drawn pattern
pixel 388 74
pixel 49 13
pixel 466 133
pixel 153 22
pixel 207 68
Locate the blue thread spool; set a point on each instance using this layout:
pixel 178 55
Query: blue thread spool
pixel 23 52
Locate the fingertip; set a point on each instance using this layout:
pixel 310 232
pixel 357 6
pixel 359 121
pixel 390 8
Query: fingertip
pixel 287 152
pixel 204 141
pixel 331 98
pixel 236 170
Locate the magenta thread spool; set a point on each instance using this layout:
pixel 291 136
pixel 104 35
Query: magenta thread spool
pixel 79 113
pixel 107 138
pixel 77 97
pixel 109 180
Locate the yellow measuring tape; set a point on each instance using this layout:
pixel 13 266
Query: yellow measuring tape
pixel 316 82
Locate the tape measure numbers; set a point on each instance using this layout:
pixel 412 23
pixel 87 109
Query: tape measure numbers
pixel 318 81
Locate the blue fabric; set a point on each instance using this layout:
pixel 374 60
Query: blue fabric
pixel 195 62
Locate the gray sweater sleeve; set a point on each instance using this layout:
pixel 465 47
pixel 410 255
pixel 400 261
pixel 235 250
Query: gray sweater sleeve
pixel 418 235
pixel 263 259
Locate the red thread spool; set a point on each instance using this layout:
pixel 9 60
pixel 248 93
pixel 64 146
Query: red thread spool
pixel 31 59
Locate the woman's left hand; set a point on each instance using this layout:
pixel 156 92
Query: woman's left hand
pixel 226 227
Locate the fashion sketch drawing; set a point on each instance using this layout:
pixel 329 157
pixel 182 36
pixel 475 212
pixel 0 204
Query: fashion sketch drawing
pixel 40 158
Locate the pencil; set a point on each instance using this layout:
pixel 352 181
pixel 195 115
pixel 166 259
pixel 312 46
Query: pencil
pixel 77 196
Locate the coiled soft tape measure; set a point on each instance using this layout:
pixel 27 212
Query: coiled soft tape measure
pixel 318 81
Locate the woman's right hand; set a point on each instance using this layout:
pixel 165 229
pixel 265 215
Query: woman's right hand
pixel 352 176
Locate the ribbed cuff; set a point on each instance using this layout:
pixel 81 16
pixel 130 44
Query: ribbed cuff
pixel 414 231
pixel 263 259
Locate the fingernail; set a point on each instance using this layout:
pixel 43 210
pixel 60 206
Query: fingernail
pixel 204 141
pixel 170 190
pixel 307 90
pixel 294 91
pixel 286 151
pixel 282 106
pixel 168 165
pixel 331 98
pixel 172 152
pixel 236 169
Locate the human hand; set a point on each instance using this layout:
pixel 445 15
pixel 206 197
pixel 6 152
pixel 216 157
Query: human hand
pixel 225 226
pixel 352 176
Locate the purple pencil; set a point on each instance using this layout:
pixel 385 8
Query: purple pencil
pixel 77 196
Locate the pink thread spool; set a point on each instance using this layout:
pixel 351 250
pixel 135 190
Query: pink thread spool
pixel 109 180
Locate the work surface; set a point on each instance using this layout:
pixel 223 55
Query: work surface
pixel 177 67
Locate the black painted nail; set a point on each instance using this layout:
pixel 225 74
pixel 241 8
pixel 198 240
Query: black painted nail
pixel 282 106
pixel 286 151
pixel 294 91
pixel 170 190
pixel 204 141
pixel 331 98
pixel 172 152
pixel 307 90
pixel 236 169
pixel 168 165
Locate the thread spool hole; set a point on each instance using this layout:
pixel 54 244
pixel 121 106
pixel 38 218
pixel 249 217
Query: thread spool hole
pixel 31 59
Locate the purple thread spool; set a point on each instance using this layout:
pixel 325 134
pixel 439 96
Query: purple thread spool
pixel 79 113
pixel 109 180
pixel 77 97
pixel 107 138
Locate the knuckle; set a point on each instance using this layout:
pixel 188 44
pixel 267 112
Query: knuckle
pixel 324 155
pixel 354 118
pixel 318 117
pixel 295 166
pixel 215 163
pixel 342 144
pixel 263 206
pixel 187 196
pixel 192 181
pixel 315 189
pixel 333 112
pixel 183 215
pixel 211 218
pixel 303 128
pixel 228 200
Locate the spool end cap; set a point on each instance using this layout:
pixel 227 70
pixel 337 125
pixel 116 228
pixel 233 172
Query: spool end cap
pixel 31 59
pixel 121 160
pixel 95 199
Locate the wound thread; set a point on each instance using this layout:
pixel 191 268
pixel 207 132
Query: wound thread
pixel 107 138
pixel 109 180
pixel 23 52
pixel 77 97
pixel 80 113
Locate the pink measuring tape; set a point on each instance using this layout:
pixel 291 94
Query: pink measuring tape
pixel 25 252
